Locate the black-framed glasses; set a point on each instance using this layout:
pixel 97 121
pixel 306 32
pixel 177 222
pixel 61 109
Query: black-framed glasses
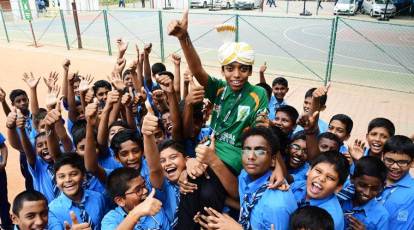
pixel 296 147
pixel 138 190
pixel 257 152
pixel 400 163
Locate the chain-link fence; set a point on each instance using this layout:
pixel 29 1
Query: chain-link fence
pixel 337 49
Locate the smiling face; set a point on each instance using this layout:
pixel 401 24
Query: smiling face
pixel 32 216
pixel 322 181
pixel 102 93
pixel 172 163
pixel 42 150
pixel 280 91
pixel 376 139
pixel 398 165
pixel 307 104
pixel 366 188
pixel 339 129
pixel 256 157
pixel 69 180
pixel 129 155
pixel 297 153
pixel 326 144
pixel 136 194
pixel 167 122
pixel 128 80
pixel 284 122
pixel 236 75
pixel 21 102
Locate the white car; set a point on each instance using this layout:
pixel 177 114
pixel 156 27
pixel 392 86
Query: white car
pixel 377 7
pixel 200 3
pixel 247 4
pixel 347 7
pixel 227 4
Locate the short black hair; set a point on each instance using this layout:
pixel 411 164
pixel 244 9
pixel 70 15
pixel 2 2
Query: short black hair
pixel 332 137
pixel 79 124
pixel 370 166
pixel 290 111
pixel 283 138
pixel 267 134
pixel 78 135
pixel 126 72
pixel 399 144
pixel 157 68
pixel 101 84
pixel 40 115
pixel 28 195
pixel 168 73
pixel 322 99
pixel 336 159
pixel 170 143
pixel 311 218
pixel 71 158
pixel 41 134
pixel 15 93
pixel 280 81
pixel 119 123
pixel 117 181
pixel 344 119
pixel 267 88
pixel 300 135
pixel 123 136
pixel 381 122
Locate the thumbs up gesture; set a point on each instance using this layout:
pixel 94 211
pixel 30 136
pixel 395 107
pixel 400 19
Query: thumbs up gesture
pixel 91 112
pixel 150 122
pixel 11 119
pixel 206 151
pixel 149 207
pixel 53 115
pixel 195 94
pixel 178 28
pixel 20 119
pixel 75 223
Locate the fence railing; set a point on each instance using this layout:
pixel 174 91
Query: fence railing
pixel 350 51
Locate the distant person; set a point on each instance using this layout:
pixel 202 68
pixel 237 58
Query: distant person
pixel 121 3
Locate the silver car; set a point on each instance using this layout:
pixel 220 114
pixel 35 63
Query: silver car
pixel 377 7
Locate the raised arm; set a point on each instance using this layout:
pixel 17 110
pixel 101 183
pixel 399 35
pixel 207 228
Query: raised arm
pixel 12 134
pixel 194 97
pixel 119 85
pixel 187 78
pixel 176 60
pixel 25 141
pixel 126 102
pixel 32 82
pixel 147 66
pixel 179 29
pixel 53 117
pixel 262 70
pixel 72 112
pixel 65 65
pixel 3 102
pixel 4 153
pixel 103 132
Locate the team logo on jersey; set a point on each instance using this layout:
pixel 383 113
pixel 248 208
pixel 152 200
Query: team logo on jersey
pixel 243 112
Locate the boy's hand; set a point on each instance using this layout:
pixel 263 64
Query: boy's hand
pixel 51 80
pixel 309 122
pixel 220 221
pixel 149 124
pixel 195 94
pixel 85 83
pixel 263 68
pixel 11 119
pixel 2 95
pixel 119 66
pixel 111 99
pixel 71 77
pixel 66 64
pixel 321 91
pixel 175 59
pixel 122 46
pixel 75 223
pixel 206 154
pixel 277 181
pixel 31 81
pixel 166 83
pixel 354 223
pixel 147 48
pixel 117 82
pixel 187 76
pixel 202 220
pixel 195 168
pixel 185 186
pixel 91 112
pixel 53 116
pixel 126 99
pixel 20 120
pixel 357 149
pixel 52 96
pixel 262 120
pixel 179 28
pixel 149 207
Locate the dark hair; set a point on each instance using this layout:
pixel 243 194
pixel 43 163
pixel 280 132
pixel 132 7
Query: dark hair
pixel 126 72
pixel 41 134
pixel 267 88
pixel 311 218
pixel 101 84
pixel 123 136
pixel 118 123
pixel 344 119
pixel 15 93
pixel 381 122
pixel 170 143
pixel 28 195
pixel 117 182
pixel 267 134
pixel 322 99
pixel 332 137
pixel 280 81
pixel 79 124
pixel 78 135
pixel 157 68
pixel 71 158
pixel 300 135
pixel 399 144
pixel 168 73
pixel 283 138
pixel 40 115
pixel 290 111
pixel 370 166
pixel 336 159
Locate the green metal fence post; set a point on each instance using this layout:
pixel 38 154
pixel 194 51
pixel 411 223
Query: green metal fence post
pixel 287 6
pixel 237 28
pixel 332 43
pixel 161 36
pixel 62 18
pixel 4 25
pixel 108 39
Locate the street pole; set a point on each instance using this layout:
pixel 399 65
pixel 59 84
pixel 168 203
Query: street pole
pixel 304 13
pixel 33 34
pixel 75 18
pixel 384 16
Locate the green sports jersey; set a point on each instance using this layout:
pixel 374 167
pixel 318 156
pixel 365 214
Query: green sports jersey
pixel 232 113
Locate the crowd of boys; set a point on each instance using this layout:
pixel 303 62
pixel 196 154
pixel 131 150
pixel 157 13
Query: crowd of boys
pixel 139 151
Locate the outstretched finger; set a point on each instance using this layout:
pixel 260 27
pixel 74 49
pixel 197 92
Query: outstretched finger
pixel 73 217
pixel 184 20
pixel 149 107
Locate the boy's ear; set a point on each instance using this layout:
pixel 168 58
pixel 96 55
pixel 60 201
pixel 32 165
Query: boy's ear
pixel 120 201
pixel 322 108
pixel 338 188
pixel 15 219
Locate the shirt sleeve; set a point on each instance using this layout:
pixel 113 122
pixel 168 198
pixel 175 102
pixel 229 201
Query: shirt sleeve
pixel 279 217
pixel 2 139
pixel 109 222
pixel 54 223
pixel 213 86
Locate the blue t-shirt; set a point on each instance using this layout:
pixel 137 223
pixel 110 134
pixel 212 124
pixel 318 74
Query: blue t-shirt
pixel 42 179
pixel 60 207
pixel 299 173
pixel 274 207
pixel 108 160
pixel 190 145
pixel 274 104
pixel 323 127
pixel 372 214
pixel 2 140
pixel 329 203
pixel 398 199
pixel 170 198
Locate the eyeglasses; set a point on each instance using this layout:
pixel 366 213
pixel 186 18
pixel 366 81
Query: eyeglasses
pixel 400 163
pixel 257 152
pixel 296 147
pixel 138 190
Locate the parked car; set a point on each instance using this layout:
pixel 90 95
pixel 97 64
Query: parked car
pixel 377 7
pixel 227 4
pixel 347 7
pixel 247 4
pixel 200 3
